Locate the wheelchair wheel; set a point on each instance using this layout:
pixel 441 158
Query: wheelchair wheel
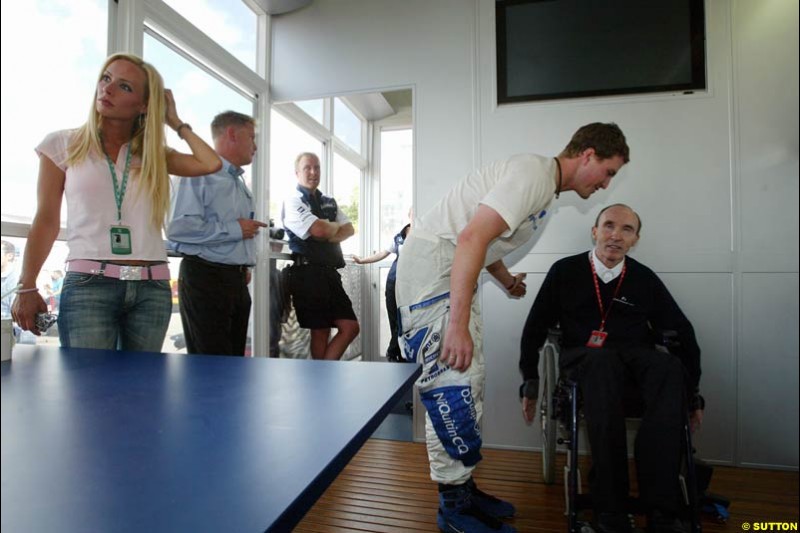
pixel 549 424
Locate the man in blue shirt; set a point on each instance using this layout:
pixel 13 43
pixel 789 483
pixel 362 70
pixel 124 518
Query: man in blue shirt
pixel 212 226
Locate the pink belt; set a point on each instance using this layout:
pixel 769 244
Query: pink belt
pixel 122 272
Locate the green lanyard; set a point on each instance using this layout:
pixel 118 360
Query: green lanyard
pixel 119 189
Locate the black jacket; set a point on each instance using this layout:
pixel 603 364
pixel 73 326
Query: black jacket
pixel 644 305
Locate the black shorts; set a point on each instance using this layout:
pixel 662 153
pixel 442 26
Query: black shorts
pixel 318 296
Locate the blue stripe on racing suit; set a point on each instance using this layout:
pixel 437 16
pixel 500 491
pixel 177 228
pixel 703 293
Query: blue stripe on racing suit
pixel 445 393
pixel 412 344
pixel 452 413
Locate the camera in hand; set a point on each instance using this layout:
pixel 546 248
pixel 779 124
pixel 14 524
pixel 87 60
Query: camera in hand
pixel 275 233
pixel 45 321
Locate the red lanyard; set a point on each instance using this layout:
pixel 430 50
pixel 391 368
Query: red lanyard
pixel 604 315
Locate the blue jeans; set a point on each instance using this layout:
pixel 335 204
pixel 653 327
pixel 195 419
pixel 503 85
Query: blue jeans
pixel 100 312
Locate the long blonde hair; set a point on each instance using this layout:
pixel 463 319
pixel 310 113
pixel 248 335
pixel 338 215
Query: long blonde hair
pixel 147 140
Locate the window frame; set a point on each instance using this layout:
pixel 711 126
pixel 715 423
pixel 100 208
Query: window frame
pixel 332 145
pixel 373 283
pixel 128 21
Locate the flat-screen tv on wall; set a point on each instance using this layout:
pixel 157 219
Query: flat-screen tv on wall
pixel 552 49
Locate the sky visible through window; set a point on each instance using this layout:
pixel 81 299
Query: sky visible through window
pixel 230 23
pixel 47 88
pixel 346 125
pixel 50 87
pixel 396 182
pixel 287 141
pixel 314 109
pixel 199 97
pixel 346 191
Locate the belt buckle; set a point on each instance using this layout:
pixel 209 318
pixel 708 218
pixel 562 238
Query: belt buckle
pixel 130 273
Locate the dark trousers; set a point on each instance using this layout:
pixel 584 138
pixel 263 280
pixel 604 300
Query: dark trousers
pixel 602 376
pixel 275 309
pixel 215 307
pixel 393 351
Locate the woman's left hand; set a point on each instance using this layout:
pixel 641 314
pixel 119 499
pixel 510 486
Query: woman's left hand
pixel 171 116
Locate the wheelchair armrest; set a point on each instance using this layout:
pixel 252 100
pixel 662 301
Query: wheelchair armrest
pixel 668 342
pixel 554 335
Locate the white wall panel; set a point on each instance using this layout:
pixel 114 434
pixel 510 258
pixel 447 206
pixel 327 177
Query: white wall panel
pixel 341 46
pixel 713 174
pixel 679 177
pixel 766 123
pixel 768 370
pixel 766 76
pixel 712 318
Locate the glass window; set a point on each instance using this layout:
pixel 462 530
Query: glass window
pixel 287 140
pixel 396 183
pixel 49 283
pixel 313 108
pixel 232 24
pixel 174 341
pixel 199 97
pixel 396 162
pixel 51 59
pixel 346 191
pixel 385 332
pixel 346 125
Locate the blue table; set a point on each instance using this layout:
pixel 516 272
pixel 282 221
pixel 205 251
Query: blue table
pixel 102 441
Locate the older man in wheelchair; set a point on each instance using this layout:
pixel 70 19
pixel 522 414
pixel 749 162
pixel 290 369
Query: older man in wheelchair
pixel 608 306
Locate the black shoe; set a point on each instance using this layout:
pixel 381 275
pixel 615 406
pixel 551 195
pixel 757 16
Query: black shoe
pixel 660 522
pixel 615 523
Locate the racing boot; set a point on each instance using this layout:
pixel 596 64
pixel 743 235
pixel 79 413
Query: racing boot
pixel 459 514
pixel 489 504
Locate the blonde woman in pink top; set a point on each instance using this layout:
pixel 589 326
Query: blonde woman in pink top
pixel 114 173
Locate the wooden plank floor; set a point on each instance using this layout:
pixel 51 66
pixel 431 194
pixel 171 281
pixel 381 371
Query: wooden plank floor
pixel 386 488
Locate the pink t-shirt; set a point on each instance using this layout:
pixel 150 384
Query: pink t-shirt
pixel 92 210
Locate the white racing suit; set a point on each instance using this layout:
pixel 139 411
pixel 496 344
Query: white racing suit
pixel 453 400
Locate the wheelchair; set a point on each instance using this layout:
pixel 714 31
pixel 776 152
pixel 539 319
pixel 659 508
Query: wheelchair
pixel 560 415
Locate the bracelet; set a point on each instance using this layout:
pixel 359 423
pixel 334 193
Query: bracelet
pixel 180 127
pixel 23 291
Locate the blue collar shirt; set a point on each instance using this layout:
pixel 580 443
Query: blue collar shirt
pixel 205 217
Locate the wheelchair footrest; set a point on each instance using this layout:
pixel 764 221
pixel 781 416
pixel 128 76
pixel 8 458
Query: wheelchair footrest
pixel 583 501
pixel 583 527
